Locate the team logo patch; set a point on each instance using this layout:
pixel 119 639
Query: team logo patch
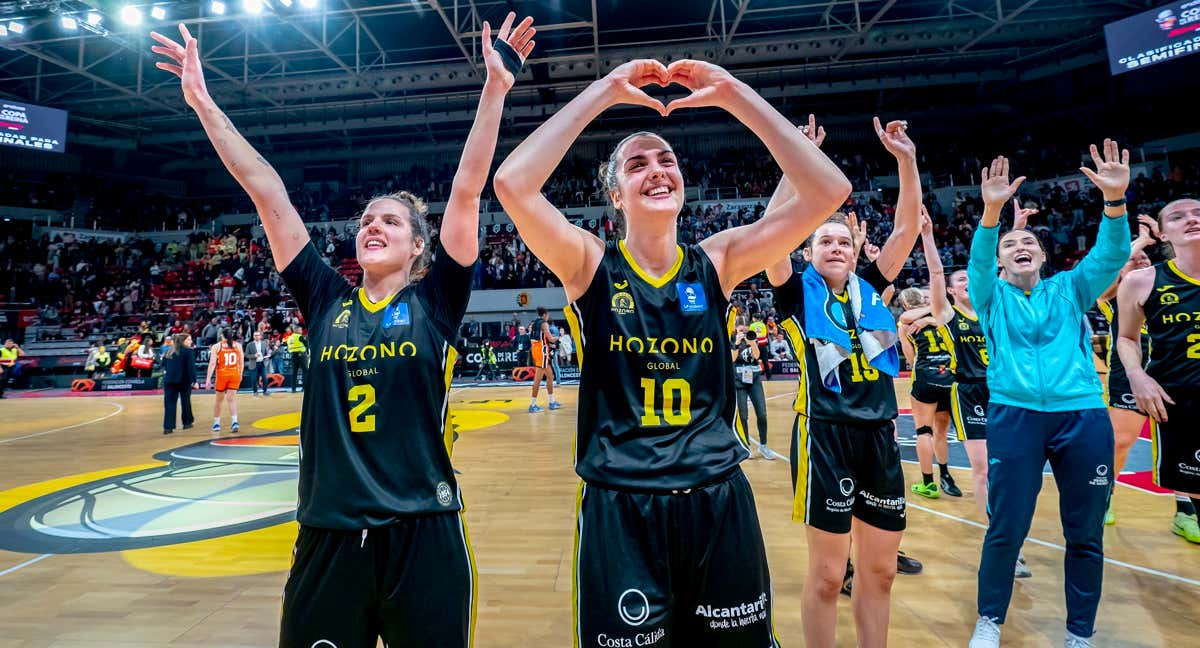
pixel 846 485
pixel 396 315
pixel 691 297
pixel 444 496
pixel 343 320
pixel 622 303
pixel 347 303
pixel 979 411
pixel 963 326
pixel 1169 298
pixel 633 607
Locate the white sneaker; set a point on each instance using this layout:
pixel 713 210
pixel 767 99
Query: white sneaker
pixel 1021 570
pixel 987 634
pixel 765 452
pixel 1073 641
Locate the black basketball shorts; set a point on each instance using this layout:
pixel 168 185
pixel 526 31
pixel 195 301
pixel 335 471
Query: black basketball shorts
pixel 1176 442
pixel 671 569
pixel 969 403
pixel 1120 394
pixel 842 471
pixel 411 583
pixel 927 392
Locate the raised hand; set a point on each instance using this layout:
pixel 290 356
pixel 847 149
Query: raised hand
pixel 187 64
pixel 871 251
pixel 858 232
pixel 520 39
pixel 1112 171
pixel 926 222
pixel 1021 216
pixel 627 80
pixel 1150 224
pixel 814 133
pixel 710 85
pixel 895 139
pixel 995 187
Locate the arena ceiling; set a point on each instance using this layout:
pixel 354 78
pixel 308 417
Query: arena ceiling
pixel 343 74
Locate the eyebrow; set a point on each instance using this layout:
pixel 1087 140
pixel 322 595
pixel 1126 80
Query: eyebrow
pixel 642 156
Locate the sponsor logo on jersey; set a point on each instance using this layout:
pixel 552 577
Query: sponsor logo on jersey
pixel 622 302
pixel 342 320
pixel 846 485
pixel 691 297
pixel 979 411
pixel 738 616
pixel 963 326
pixel 1172 318
pixel 1101 478
pixel 354 353
pixel 633 607
pixel 444 496
pixel 396 315
pixel 621 285
pixel 1168 298
pixel 347 303
pixel 669 345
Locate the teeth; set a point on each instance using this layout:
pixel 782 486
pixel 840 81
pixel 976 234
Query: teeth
pixel 658 191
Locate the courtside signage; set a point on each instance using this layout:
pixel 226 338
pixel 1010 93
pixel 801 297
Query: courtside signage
pixel 1155 36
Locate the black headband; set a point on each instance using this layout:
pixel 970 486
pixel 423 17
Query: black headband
pixel 512 61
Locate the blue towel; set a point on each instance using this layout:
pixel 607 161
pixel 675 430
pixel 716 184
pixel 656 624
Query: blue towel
pixel 826 328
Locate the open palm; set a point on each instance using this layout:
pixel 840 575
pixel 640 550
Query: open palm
pixel 187 64
pixel 519 38
pixel 995 186
pixel 1112 171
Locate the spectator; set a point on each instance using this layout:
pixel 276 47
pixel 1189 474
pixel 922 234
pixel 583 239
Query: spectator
pixel 179 377
pixel 257 357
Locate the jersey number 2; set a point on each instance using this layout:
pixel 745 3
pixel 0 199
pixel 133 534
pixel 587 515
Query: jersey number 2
pixel 672 388
pixel 363 399
pixel 1193 352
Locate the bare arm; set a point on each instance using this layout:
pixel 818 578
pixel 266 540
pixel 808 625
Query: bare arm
pixel 910 354
pixel 460 225
pixel 908 205
pixel 939 303
pixel 212 365
pixel 1131 296
pixel 570 252
pixel 282 224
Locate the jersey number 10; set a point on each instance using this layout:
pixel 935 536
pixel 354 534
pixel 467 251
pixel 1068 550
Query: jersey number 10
pixel 673 390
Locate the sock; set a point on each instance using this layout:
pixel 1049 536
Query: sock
pixel 927 478
pixel 1184 505
pixel 1195 505
pixel 235 420
pixel 552 399
pixel 216 420
pixel 532 401
pixel 943 470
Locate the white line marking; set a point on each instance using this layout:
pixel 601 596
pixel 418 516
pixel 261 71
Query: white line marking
pixel 25 564
pixel 782 395
pixel 120 408
pixel 1051 545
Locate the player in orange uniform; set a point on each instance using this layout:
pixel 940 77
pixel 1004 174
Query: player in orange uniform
pixel 225 359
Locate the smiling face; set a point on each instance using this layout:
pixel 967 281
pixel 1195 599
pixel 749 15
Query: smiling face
pixel 1180 223
pixel 831 251
pixel 648 180
pixel 1021 253
pixel 385 242
pixel 957 287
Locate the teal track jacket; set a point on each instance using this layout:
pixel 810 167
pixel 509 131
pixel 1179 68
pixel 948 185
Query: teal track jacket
pixel 1039 346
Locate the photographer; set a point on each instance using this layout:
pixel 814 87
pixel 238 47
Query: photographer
pixel 748 382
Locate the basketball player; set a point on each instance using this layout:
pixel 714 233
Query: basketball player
pixel 931 346
pixel 668 547
pixel 382 550
pixel 542 350
pixel 845 459
pixel 1166 300
pixel 1044 398
pixel 1127 419
pixel 225 360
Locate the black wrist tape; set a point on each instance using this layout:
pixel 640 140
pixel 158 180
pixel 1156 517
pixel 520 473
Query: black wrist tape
pixel 512 60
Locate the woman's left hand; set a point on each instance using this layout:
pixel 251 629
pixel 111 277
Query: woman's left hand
pixel 710 84
pixel 519 38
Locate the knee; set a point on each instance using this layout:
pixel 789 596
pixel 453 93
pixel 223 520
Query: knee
pixel 979 473
pixel 824 585
pixel 1124 443
pixel 877 576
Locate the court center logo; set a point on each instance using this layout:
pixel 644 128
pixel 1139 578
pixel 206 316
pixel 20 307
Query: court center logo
pixel 633 607
pixel 846 485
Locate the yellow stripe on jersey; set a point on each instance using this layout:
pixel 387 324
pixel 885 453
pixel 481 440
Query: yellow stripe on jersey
pixel 577 641
pixel 1182 275
pixel 731 320
pixel 953 349
pixel 956 413
pixel 372 307
pixel 1154 450
pixel 740 430
pixel 447 427
pixel 657 282
pixel 576 332
pixel 800 497
pixel 1106 311
pixel 462 519
pixel 792 329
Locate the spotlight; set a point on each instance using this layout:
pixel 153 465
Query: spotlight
pixel 309 4
pixel 16 27
pixel 131 15
pixel 217 7
pixel 94 18
pixel 252 7
pixel 69 23
pixel 158 13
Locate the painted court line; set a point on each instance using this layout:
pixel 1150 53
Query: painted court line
pixel 25 564
pixel 120 408
pixel 1051 545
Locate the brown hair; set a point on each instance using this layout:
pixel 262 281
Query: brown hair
pixel 837 217
pixel 417 209
pixel 177 343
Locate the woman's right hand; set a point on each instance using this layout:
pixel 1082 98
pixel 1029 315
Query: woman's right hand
pixel 187 64
pixel 626 81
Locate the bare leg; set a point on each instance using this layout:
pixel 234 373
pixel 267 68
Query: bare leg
pixel 923 415
pixel 941 445
pixel 977 453
pixel 827 555
pixel 874 571
pixel 1127 426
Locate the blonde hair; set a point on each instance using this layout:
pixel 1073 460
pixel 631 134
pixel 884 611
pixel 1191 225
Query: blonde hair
pixel 911 298
pixel 417 209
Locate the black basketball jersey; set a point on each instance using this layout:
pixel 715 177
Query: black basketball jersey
pixel 1173 320
pixel 933 347
pixel 656 406
pixel 969 354
pixel 1116 368
pixel 375 438
pixel 868 395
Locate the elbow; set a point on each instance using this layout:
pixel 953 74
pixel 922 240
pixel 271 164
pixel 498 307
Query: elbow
pixel 839 190
pixel 506 183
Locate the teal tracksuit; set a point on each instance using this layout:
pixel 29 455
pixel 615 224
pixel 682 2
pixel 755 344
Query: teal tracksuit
pixel 1046 404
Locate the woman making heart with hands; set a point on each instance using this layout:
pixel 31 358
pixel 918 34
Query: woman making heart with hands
pixel 666 523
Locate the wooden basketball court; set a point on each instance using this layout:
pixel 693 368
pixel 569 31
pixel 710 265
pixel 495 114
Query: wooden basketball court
pixel 86 505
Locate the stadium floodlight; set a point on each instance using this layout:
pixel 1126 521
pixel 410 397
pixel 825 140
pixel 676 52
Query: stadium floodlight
pixel 309 4
pixel 131 15
pixel 94 18
pixel 252 7
pixel 69 23
pixel 16 27
pixel 158 13
pixel 218 7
